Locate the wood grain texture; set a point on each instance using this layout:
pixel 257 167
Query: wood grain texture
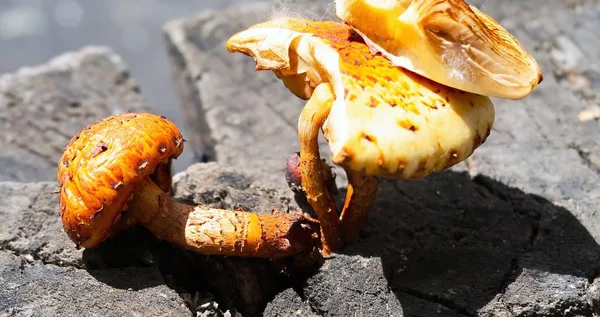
pixel 42 107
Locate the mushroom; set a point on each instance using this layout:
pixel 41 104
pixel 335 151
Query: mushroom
pixel 449 42
pixel 378 119
pixel 116 172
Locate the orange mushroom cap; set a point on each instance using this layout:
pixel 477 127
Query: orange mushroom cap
pixel 102 165
pixel 384 119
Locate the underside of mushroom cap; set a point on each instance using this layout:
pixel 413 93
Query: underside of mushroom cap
pixel 449 42
pixel 102 165
pixel 385 120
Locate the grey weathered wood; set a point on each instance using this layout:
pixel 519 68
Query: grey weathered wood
pixel 42 107
pixel 240 117
pixel 243 284
pixel 288 303
pixel 42 274
pixel 512 231
pixel 31 234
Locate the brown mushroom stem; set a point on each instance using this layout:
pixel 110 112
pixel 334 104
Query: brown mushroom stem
pixel 311 120
pixel 213 231
pixel 362 190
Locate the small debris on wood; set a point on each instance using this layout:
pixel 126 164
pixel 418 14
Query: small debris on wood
pixel 591 113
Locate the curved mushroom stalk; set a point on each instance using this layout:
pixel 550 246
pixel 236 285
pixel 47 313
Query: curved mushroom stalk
pixel 449 42
pixel 213 231
pixel 121 166
pixel 315 187
pixel 381 120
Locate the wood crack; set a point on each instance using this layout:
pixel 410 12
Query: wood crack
pixel 585 158
pixel 448 304
pixel 280 115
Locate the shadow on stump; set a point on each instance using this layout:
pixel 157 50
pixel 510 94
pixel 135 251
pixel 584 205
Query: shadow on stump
pixel 448 241
pixel 456 242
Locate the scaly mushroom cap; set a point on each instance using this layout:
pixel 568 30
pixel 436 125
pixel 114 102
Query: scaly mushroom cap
pixel 384 119
pixel 447 41
pixel 102 165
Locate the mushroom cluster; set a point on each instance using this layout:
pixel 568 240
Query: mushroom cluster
pixel 399 89
pixel 117 173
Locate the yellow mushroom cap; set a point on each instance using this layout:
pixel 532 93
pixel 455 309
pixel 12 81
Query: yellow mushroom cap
pixel 102 165
pixel 448 42
pixel 384 119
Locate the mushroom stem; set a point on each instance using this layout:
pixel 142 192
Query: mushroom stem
pixel 213 231
pixel 311 120
pixel 362 190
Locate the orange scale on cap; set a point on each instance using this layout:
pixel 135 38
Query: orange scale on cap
pixel 101 167
pixel 370 96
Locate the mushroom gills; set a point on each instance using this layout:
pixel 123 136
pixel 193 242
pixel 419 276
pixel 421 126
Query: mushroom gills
pixel 449 42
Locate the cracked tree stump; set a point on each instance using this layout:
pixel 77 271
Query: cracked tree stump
pixel 42 274
pixel 513 231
